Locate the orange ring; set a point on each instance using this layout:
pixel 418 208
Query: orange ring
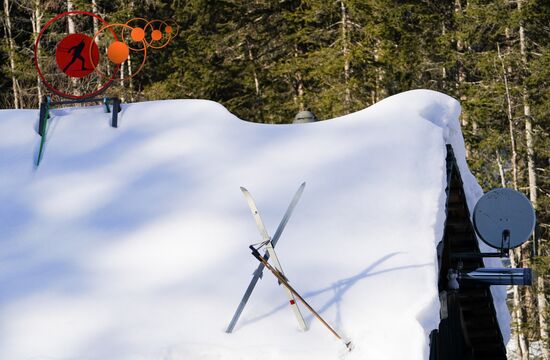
pixel 144 51
pixel 137 18
pixel 174 34
pixel 160 46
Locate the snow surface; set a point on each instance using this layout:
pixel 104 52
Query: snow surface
pixel 132 243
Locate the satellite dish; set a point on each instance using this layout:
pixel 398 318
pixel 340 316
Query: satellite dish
pixel 504 218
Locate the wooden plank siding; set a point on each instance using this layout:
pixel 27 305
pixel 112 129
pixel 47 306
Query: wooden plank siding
pixel 470 330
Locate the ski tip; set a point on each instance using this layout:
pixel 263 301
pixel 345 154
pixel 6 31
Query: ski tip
pixel 243 189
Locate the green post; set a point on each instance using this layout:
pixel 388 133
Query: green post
pixel 106 104
pixel 43 125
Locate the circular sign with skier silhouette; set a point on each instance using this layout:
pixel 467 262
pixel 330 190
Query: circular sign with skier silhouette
pixel 74 56
pixel 65 62
pixel 80 69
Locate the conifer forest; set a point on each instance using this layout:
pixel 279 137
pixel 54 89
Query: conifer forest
pixel 265 60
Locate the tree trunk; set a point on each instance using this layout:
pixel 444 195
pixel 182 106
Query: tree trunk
pixel 510 116
pixel 528 122
pixel 542 308
pixel 131 77
pixel 11 55
pixel 121 71
pixel 532 178
pixel 345 50
pixel 299 85
pixel 129 62
pixel 460 79
pixel 254 72
pixel 379 91
pixel 95 10
pixel 299 91
pixel 109 72
pixel 258 101
pixel 70 20
pixel 95 20
pixel 500 170
pixel 518 314
pixel 72 30
pixel 36 26
pixel 443 69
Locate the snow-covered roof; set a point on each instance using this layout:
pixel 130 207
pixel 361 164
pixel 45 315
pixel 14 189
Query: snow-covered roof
pixel 132 243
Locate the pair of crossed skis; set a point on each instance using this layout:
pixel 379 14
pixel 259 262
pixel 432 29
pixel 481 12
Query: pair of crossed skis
pixel 276 268
pixel 270 244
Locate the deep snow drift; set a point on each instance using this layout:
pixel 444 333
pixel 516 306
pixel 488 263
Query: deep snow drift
pixel 132 243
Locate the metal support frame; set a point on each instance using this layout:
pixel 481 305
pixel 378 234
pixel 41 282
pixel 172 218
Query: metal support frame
pixel 503 251
pixel 44 115
pixel 106 101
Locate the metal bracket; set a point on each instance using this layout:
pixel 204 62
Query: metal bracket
pixel 503 251
pixel 115 101
pixel 471 255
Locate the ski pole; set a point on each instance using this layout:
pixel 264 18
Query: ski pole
pixel 282 279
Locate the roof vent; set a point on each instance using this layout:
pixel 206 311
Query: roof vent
pixel 304 117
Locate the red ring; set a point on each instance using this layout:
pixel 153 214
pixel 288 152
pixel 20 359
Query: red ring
pixel 46 83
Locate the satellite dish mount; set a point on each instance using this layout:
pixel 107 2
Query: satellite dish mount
pixel 505 244
pixel 503 219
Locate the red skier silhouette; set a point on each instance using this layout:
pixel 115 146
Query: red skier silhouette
pixel 77 55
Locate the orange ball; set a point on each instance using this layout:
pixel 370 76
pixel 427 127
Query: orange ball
pixel 168 29
pixel 137 34
pixel 118 52
pixel 156 35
